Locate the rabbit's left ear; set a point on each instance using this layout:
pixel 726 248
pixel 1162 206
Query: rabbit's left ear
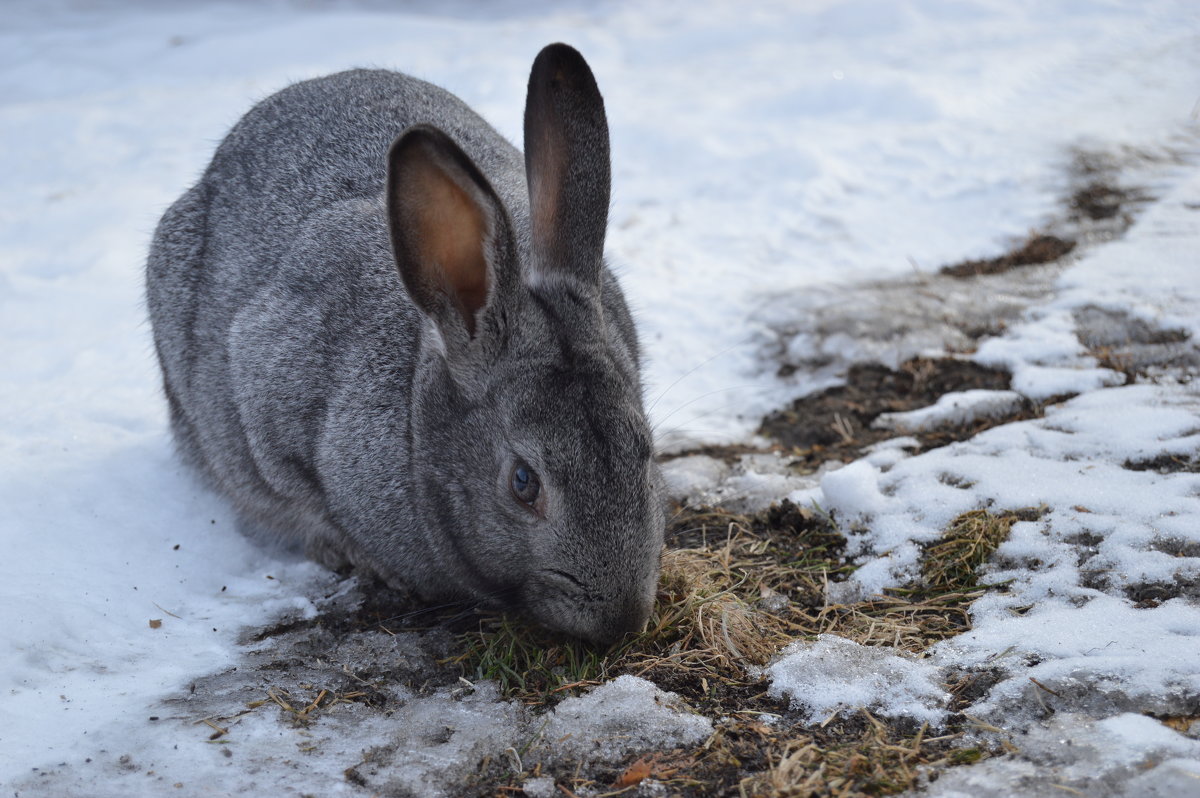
pixel 442 216
pixel 567 166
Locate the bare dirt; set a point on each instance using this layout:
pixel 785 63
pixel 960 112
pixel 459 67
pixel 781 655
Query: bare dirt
pixel 835 424
pixel 1038 249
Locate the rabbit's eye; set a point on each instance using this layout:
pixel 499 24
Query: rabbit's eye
pixel 525 484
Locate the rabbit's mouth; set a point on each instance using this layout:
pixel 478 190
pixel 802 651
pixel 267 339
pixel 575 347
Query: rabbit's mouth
pixel 563 602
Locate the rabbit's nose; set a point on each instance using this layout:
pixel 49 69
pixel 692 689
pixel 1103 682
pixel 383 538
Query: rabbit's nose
pixel 627 616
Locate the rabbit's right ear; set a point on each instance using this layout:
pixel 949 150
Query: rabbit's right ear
pixel 443 219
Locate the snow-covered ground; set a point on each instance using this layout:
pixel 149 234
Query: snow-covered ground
pixel 771 160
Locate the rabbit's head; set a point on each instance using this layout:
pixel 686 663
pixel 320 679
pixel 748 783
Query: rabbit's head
pixel 533 449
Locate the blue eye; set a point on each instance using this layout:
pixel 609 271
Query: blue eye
pixel 525 484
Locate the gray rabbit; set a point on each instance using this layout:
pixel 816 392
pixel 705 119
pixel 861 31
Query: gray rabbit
pixel 387 336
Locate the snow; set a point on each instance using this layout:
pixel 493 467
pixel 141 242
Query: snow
pixel 787 179
pixel 953 409
pixel 853 490
pixel 752 482
pixel 1072 461
pixel 834 675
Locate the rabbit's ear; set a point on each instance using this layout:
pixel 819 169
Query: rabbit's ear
pixel 567 166
pixel 443 218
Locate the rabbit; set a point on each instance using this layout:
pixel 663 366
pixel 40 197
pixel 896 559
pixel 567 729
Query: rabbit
pixel 390 339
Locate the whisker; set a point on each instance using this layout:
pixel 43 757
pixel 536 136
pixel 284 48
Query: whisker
pixel 750 385
pixel 467 605
pixel 693 370
pixel 676 514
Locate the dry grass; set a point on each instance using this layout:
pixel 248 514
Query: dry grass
pixel 708 621
pixel 876 762
pixel 911 624
pixel 951 563
pixel 734 590
pixel 706 615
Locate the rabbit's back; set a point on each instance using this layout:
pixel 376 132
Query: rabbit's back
pixel 324 141
pixel 271 287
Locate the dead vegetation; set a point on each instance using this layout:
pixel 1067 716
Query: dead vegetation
pixel 727 584
pixel 951 564
pixel 734 590
pixel 1097 196
pixel 877 761
pixel 1167 464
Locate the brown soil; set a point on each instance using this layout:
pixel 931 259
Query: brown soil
pixel 1099 200
pixel 835 424
pixel 1038 249
pixel 1166 464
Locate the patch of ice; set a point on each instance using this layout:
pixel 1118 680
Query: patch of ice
pixel 1106 656
pixel 1126 754
pixel 625 716
pixel 838 675
pixel 541 787
pixel 440 741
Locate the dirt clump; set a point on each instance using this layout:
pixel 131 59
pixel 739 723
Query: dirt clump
pixel 1035 250
pixel 835 424
pixel 1166 464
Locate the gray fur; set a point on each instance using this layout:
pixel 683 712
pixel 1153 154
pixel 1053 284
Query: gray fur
pixel 307 385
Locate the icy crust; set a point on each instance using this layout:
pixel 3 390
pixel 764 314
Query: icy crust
pixel 1123 755
pixel 1103 657
pixel 440 741
pixel 434 745
pixel 437 745
pixel 619 718
pixel 835 675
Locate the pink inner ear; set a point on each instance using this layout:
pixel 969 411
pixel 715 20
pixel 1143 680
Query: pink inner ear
pixel 546 178
pixel 450 231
